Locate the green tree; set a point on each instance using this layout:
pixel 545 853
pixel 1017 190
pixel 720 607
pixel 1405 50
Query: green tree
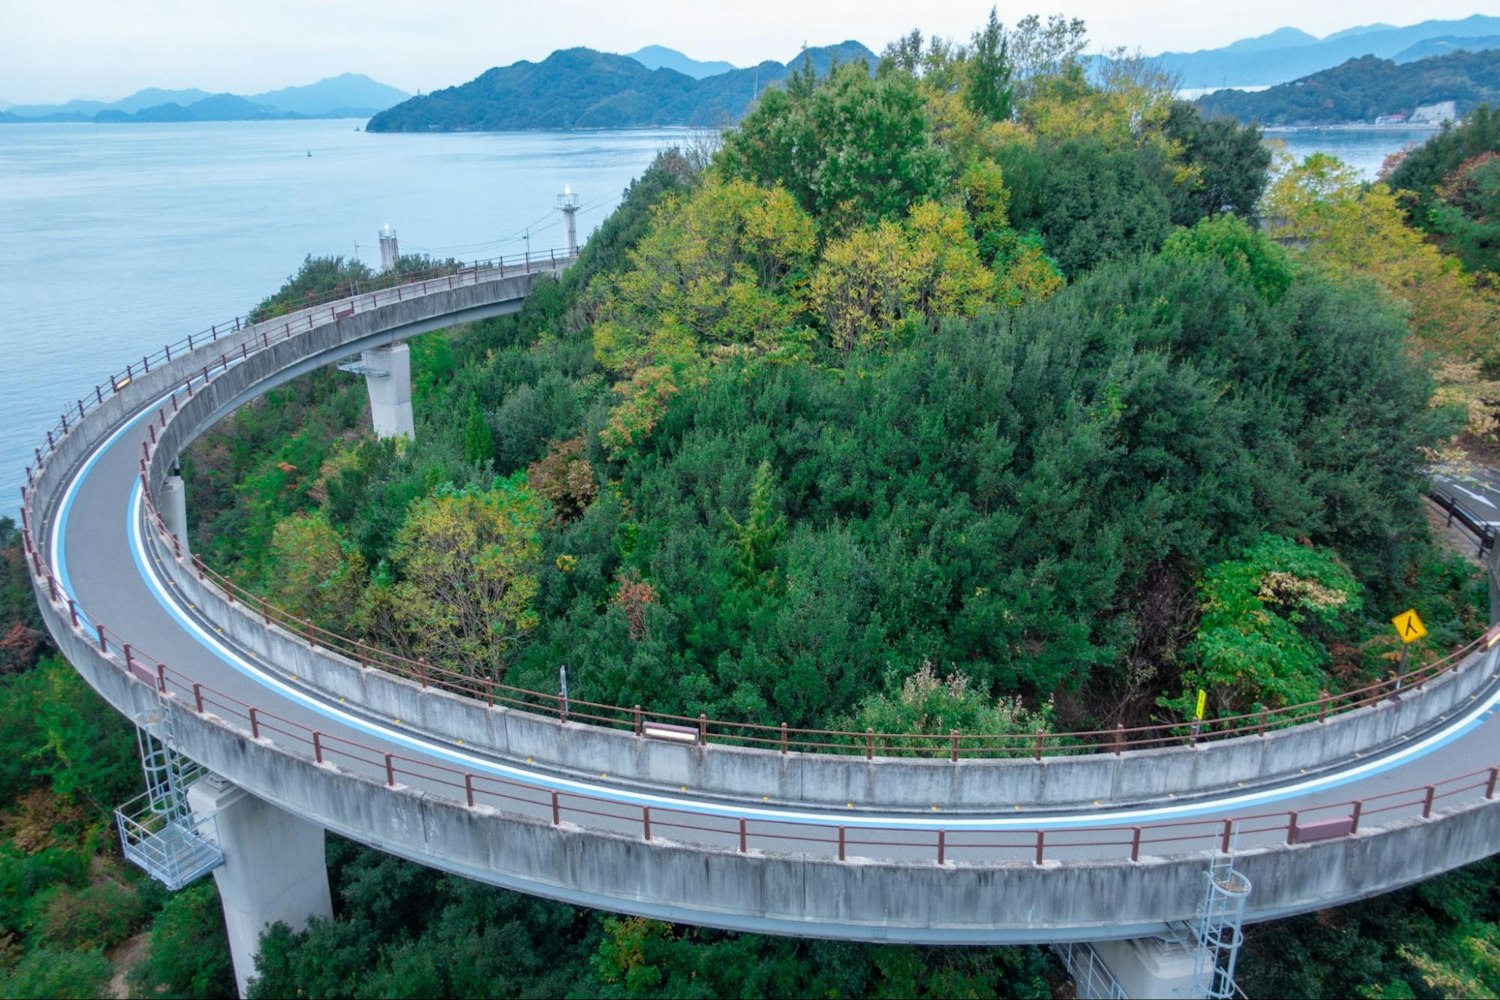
pixel 479 443
pixel 1246 254
pixel 987 91
pixel 851 150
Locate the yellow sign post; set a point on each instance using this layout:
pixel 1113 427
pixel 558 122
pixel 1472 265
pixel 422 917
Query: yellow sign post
pixel 1409 626
pixel 1202 703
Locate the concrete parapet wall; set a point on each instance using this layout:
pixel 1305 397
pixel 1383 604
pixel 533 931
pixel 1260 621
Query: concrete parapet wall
pixel 790 894
pixel 728 771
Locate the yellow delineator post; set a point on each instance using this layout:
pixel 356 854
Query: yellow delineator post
pixel 1410 628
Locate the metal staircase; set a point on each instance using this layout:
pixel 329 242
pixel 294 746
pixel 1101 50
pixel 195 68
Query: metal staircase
pixel 157 828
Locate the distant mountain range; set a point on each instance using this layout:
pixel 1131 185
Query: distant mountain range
pixel 661 57
pixel 350 95
pixel 582 88
pixel 1288 53
pixel 1368 90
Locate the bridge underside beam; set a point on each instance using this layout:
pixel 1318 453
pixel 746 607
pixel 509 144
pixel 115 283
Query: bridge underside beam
pixel 274 868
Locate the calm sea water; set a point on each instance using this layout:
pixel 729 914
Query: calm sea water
pixel 117 239
pixel 1363 149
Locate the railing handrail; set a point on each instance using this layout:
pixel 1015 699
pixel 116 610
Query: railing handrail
pixel 478 789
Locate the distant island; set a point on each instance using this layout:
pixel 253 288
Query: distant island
pixel 582 88
pixel 1289 53
pixel 349 95
pixel 661 57
pixel 1371 91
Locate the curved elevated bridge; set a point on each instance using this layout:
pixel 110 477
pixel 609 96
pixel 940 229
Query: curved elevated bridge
pixel 1097 838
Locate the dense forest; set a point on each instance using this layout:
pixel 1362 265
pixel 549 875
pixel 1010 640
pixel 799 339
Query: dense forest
pixel 1364 89
pixel 962 393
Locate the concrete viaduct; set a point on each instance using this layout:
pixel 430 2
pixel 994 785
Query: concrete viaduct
pixel 739 827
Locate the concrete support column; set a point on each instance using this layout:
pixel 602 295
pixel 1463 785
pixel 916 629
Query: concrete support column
pixel 1148 967
pixel 274 868
pixel 388 379
pixel 173 508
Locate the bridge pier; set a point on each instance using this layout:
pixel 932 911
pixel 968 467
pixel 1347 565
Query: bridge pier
pixel 173 507
pixel 274 868
pixel 387 372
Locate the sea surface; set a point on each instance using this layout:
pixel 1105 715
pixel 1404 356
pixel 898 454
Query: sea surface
pixel 117 239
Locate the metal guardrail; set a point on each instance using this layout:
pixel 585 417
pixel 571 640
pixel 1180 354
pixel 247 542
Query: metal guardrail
pixel 917 841
pixel 1482 532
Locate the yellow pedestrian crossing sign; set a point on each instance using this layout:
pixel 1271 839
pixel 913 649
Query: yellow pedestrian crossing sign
pixel 1409 626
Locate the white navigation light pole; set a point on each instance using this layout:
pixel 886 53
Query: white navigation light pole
pixel 390 254
pixel 567 202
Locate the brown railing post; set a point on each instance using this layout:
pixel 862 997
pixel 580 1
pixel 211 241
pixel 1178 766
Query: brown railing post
pixel 422 671
pixel 161 677
pixel 1260 730
pixel 254 724
pixel 469 788
pixel 953 749
pixel 1038 753
pixel 942 847
pixel 783 737
pixel 702 729
pixel 317 746
pixel 390 770
pixel 265 610
pixel 1427 801
pixel 1359 807
pixel 103 643
pixel 129 662
pixel 1119 738
pixel 869 744
pixel 841 843
pixel 1224 837
pixel 198 697
pixel 1291 827
pixel 556 810
pixel 742 835
pixel 1041 840
pixel 646 820
pixel 489 692
pixel 1489 789
pixel 1322 706
pixel 1135 844
pixel 635 716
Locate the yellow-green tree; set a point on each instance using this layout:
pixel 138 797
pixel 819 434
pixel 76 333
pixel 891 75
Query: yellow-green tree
pixel 466 561
pixel 317 576
pixel 1348 229
pixel 888 278
pixel 723 270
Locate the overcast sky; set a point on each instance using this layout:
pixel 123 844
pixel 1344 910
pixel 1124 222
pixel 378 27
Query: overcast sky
pixel 54 50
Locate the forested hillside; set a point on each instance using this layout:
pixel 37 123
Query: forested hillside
pixel 581 88
pixel 966 393
pixel 1364 89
